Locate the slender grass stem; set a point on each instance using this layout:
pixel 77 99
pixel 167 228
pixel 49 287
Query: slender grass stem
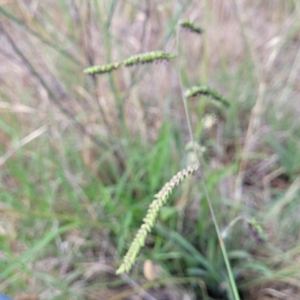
pixel 222 244
pixel 188 119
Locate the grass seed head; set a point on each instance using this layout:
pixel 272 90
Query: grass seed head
pixel 191 27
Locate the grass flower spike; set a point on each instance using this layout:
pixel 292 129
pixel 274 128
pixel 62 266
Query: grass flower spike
pixel 102 69
pixel 206 91
pixel 147 58
pixel 153 211
pixel 191 27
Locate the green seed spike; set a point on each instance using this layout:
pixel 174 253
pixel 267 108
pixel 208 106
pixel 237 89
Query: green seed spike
pixel 206 91
pixel 191 27
pixel 102 69
pixel 159 200
pixel 147 58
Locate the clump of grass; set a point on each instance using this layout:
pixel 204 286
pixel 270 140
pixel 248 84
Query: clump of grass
pixel 163 195
pixel 45 182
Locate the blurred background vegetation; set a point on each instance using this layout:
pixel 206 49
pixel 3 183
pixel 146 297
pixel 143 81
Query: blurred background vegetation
pixel 81 157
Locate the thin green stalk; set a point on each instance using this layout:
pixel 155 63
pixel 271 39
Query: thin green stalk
pixel 182 92
pixel 221 242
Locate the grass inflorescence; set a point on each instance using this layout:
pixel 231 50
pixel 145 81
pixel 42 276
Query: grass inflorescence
pixel 147 58
pixel 191 27
pixel 142 58
pixel 160 199
pixel 102 69
pixel 206 91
